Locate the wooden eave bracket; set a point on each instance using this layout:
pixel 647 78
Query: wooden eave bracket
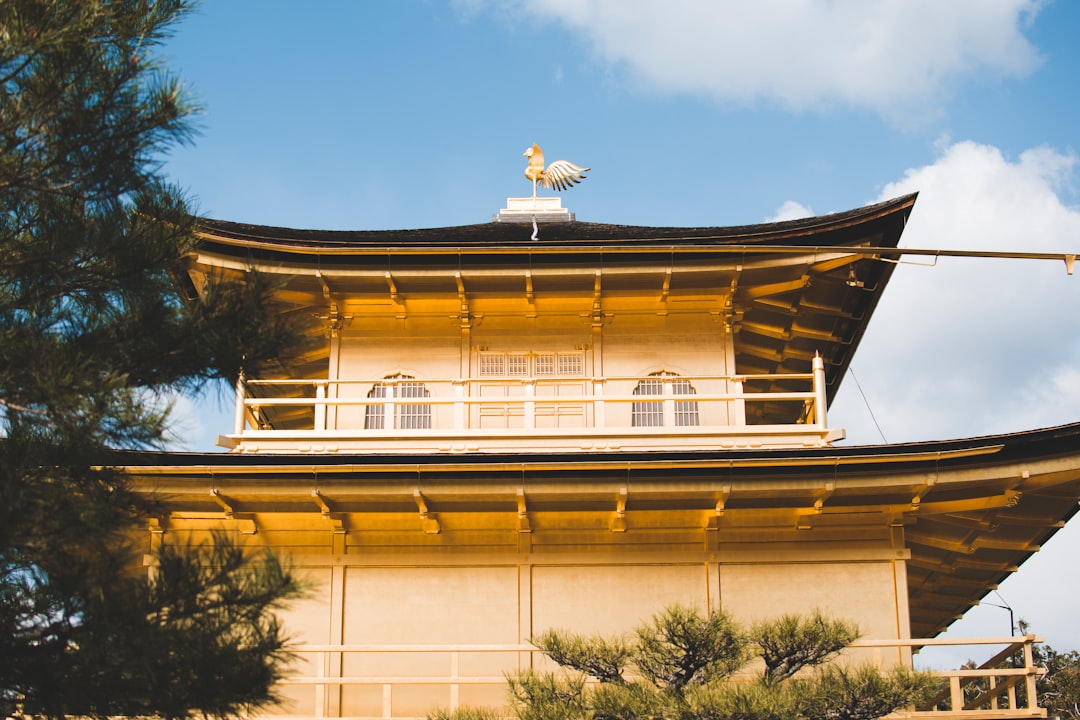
pixel 968 548
pixel 804 518
pixel 465 316
pixel 956 562
pixel 220 499
pixel 823 496
pixel 334 321
pixel 618 520
pixel 596 318
pixel 156 526
pixel 395 297
pixel 530 295
pixel 713 523
pixel 665 288
pixel 921 491
pixel 1008 499
pixel 429 523
pixel 777 288
pixel 245 522
pixel 336 520
pixel 522 513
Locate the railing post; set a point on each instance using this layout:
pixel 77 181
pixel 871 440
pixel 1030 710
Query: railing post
pixel 1029 681
pixel 956 695
pixel 599 421
pixel 241 394
pixel 320 407
pixel 667 389
pixel 739 420
pixel 459 403
pixel 389 408
pixel 455 675
pixel 530 404
pixel 321 690
pixel 820 403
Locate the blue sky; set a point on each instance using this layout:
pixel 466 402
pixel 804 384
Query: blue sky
pixel 415 113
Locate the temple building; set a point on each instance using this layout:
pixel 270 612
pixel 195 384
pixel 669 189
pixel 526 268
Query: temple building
pixel 538 422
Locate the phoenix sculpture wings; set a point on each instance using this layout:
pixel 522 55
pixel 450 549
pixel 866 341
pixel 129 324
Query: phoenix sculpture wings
pixel 560 174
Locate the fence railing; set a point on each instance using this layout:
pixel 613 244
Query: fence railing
pixel 1001 687
pixel 394 407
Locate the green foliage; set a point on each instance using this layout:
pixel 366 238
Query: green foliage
pixel 93 330
pixel 545 696
pixel 744 701
pixel 95 336
pixel 630 701
pixel 596 656
pixel 1059 689
pixel 681 648
pixel 864 692
pixel 466 713
pixel 680 664
pixel 199 634
pixel 792 642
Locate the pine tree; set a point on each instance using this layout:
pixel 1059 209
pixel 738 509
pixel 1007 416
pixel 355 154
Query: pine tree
pixel 94 338
pixel 682 665
pixel 1059 688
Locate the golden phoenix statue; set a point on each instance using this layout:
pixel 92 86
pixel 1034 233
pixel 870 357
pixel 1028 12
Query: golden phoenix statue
pixel 560 174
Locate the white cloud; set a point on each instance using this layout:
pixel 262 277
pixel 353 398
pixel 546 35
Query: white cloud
pixel 981 346
pixel 790 210
pixel 896 57
pixel 975 346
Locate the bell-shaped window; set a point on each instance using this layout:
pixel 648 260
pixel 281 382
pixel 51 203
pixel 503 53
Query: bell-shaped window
pixel 400 392
pixel 662 385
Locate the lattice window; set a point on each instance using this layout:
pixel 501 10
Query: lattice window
pixel 570 363
pixel 492 364
pixel 686 411
pixel 519 364
pixel 408 416
pixel 650 413
pixel 544 364
pixel 375 415
pixel 413 416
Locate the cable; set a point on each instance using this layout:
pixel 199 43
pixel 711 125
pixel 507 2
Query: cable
pixel 851 371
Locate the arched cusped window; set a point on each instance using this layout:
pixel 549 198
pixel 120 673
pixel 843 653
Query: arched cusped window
pixel 407 415
pixel 650 413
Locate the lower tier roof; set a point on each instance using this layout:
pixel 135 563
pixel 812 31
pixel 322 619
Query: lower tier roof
pixel 970 511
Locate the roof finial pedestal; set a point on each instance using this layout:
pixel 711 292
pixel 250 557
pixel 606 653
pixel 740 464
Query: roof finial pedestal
pixel 528 209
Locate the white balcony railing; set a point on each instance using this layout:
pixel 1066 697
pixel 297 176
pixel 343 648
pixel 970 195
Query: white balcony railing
pixel 519 413
pixel 1001 687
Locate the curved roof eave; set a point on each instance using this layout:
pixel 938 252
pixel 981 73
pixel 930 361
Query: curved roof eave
pixel 835 229
pixel 1041 442
pixel 972 510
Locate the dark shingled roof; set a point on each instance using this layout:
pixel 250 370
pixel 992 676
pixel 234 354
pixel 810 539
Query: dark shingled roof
pixel 841 227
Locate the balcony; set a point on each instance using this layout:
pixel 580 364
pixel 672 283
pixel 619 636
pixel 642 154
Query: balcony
pixel 403 414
